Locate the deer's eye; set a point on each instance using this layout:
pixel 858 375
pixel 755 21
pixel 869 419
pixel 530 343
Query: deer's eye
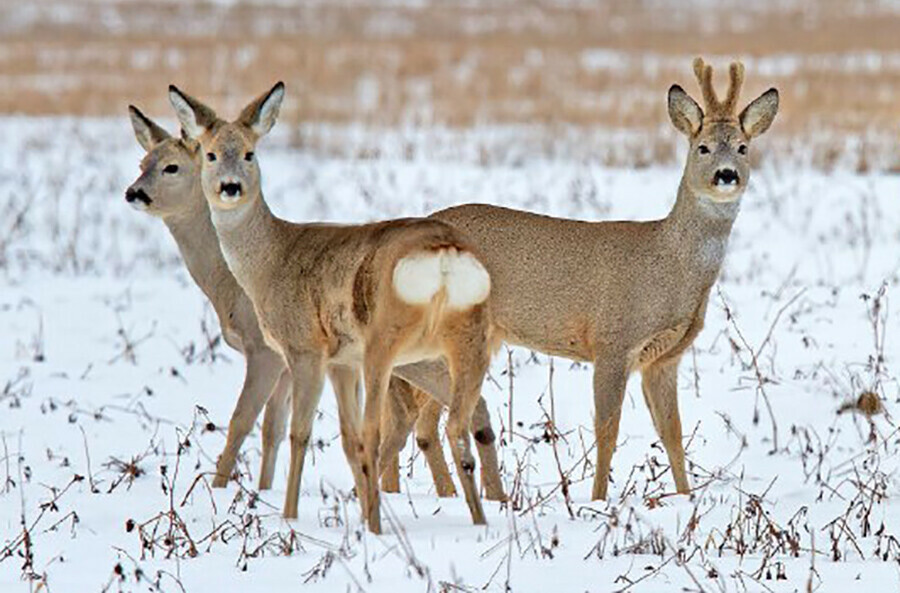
pixel 742 149
pixel 210 156
pixel 170 169
pixel 248 156
pixel 703 149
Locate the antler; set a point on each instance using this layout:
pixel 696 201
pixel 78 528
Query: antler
pixel 703 72
pixel 715 109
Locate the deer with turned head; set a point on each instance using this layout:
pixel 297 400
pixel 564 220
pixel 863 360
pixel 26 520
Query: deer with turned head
pixel 169 188
pixel 626 296
pixel 347 300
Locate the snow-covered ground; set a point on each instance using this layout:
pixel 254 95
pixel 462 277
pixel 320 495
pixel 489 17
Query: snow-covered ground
pixel 113 403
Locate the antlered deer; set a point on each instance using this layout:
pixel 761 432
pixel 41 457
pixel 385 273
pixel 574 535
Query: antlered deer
pixel 627 296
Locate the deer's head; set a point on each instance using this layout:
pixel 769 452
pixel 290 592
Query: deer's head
pixel 229 171
pixel 718 165
pixel 169 170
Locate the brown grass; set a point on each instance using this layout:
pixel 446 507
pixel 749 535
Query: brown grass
pixel 455 63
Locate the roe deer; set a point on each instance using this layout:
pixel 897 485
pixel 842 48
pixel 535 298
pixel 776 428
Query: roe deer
pixel 349 299
pixel 169 188
pixel 624 295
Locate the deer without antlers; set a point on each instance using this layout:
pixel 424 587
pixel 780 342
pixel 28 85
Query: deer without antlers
pixel 345 299
pixel 169 188
pixel 627 296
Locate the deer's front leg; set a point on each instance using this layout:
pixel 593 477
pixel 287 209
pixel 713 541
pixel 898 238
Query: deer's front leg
pixel 610 377
pixel 274 425
pixel 660 385
pixel 308 374
pixel 262 371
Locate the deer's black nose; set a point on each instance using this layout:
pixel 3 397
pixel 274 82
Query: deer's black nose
pixel 230 188
pixel 137 195
pixel 726 177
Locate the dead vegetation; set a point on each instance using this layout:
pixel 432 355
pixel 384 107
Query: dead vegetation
pixel 732 534
pixel 544 64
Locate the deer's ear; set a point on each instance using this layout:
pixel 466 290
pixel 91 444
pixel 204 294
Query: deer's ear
pixel 686 115
pixel 261 113
pixel 195 117
pixel 760 113
pixel 146 131
pixel 189 143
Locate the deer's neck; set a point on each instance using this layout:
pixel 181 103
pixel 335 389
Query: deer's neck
pixel 248 237
pixel 196 238
pixel 699 229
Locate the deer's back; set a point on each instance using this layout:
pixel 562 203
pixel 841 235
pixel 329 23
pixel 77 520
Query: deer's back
pixel 328 284
pixel 576 288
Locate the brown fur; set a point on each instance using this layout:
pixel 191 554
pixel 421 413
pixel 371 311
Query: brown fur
pixel 414 406
pixel 627 296
pixel 304 282
pixel 178 200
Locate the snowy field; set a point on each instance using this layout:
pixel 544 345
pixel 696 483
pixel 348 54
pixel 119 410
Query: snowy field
pixel 114 394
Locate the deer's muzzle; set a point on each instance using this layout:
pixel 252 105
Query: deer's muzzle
pixel 726 178
pixel 137 196
pixel 230 189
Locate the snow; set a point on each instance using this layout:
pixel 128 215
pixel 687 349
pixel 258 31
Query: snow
pixel 106 361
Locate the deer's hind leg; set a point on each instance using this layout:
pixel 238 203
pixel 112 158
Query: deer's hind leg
pixel 434 378
pixel 263 367
pixel 407 406
pixel 485 442
pixel 345 381
pixel 377 370
pixel 399 414
pixel 660 386
pixel 428 439
pixel 468 360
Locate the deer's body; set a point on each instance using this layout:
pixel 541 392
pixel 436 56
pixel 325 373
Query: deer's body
pixel 346 300
pixel 177 198
pixel 333 274
pixel 631 290
pixel 325 297
pixel 626 296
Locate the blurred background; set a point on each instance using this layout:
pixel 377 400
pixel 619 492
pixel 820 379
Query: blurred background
pixel 561 67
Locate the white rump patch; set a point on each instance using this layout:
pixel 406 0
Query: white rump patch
pixel 467 282
pixel 419 277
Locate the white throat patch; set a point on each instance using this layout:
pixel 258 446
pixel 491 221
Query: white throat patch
pixel 712 252
pixel 715 207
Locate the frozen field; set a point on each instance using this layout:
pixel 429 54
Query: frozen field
pixel 114 393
